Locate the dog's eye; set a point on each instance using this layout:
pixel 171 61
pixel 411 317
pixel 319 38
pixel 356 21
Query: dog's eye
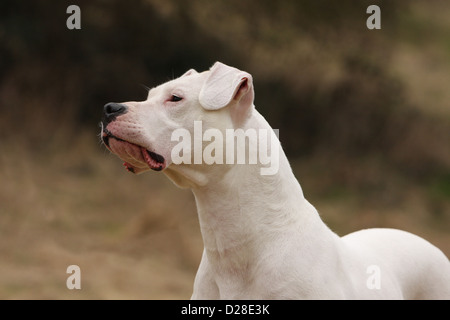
pixel 175 98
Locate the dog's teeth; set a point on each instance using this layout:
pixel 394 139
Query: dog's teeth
pixel 154 164
pixel 128 167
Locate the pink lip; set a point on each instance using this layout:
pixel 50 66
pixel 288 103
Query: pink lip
pixel 136 158
pixel 155 161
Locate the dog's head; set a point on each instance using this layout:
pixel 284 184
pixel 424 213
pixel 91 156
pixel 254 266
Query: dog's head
pixel 140 133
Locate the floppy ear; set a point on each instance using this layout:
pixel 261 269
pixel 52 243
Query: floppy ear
pixel 227 85
pixel 189 72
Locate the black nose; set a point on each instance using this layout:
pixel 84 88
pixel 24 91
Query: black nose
pixel 112 110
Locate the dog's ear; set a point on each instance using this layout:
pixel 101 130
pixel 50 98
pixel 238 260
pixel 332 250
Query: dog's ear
pixel 189 72
pixel 227 86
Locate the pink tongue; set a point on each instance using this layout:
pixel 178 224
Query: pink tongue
pixel 149 160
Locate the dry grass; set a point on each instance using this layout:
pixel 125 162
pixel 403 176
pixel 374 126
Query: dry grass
pixel 137 237
pixel 129 236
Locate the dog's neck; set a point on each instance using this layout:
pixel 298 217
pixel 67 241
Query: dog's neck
pixel 241 211
pixel 237 218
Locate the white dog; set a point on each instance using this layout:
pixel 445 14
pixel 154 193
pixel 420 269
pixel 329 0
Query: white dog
pixel 262 238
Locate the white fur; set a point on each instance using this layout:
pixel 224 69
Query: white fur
pixel 262 238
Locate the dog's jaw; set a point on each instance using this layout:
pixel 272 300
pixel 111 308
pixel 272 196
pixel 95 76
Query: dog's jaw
pixel 137 159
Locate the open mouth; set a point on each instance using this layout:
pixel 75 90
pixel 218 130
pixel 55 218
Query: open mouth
pixel 137 158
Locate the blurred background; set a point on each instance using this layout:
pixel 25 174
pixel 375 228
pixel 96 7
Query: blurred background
pixel 364 118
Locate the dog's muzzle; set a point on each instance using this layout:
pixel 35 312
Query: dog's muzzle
pixel 136 158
